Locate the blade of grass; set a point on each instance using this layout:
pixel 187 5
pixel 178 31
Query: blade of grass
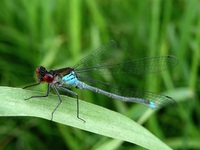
pixel 98 119
pixel 75 27
pixel 185 27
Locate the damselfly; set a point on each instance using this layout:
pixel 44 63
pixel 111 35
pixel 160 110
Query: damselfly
pixel 103 61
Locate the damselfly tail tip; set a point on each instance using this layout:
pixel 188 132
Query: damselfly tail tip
pixel 152 105
pixel 168 101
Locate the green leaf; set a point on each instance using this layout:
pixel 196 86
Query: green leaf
pixel 99 120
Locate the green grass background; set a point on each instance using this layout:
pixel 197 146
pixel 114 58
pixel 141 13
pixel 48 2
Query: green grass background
pixel 57 33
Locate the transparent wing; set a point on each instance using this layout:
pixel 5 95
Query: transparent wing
pixel 102 56
pixel 105 58
pixel 158 99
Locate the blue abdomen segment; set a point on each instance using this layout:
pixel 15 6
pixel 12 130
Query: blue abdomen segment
pixel 70 79
pixel 152 105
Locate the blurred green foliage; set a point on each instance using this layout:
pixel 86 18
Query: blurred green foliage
pixel 57 33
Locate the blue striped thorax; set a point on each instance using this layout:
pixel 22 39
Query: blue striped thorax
pixel 71 79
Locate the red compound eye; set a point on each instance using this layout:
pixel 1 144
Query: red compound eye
pixel 48 78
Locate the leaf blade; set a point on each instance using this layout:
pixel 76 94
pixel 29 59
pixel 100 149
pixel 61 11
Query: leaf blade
pixel 99 120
